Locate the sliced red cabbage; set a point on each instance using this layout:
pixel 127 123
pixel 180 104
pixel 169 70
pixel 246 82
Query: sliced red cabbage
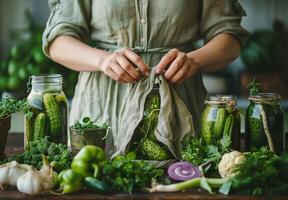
pixel 182 171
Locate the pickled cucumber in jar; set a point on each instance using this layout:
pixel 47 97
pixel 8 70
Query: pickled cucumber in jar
pixel 220 118
pixel 47 116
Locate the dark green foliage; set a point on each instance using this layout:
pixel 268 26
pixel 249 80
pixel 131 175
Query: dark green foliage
pixel 9 106
pixel 253 87
pixel 263 173
pixel 124 174
pixel 195 152
pixel 57 154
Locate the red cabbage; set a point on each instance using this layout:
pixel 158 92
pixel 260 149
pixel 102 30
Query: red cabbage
pixel 182 171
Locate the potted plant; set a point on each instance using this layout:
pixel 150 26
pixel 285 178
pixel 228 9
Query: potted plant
pixel 8 106
pixel 87 132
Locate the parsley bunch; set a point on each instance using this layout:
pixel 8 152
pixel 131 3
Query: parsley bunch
pixel 9 106
pixel 263 173
pixel 125 174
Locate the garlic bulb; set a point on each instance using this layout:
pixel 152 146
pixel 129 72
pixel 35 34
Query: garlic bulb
pixel 10 172
pixel 35 182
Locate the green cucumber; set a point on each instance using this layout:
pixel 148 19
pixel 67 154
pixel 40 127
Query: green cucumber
pixel 207 122
pixel 228 128
pixel 219 124
pixel 96 185
pixel 153 150
pixel 40 126
pixel 54 115
pixel 29 122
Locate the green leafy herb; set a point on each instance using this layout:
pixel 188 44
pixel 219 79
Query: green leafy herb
pixel 87 123
pixel 57 154
pixel 197 153
pixel 193 151
pixel 263 173
pixel 254 88
pixel 124 174
pixel 9 106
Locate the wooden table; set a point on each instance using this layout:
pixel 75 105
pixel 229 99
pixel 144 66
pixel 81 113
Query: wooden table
pixel 15 145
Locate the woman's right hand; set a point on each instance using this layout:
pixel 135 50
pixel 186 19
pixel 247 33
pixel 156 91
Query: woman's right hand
pixel 124 66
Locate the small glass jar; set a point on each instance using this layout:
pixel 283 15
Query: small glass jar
pixel 48 110
pixel 265 122
pixel 220 118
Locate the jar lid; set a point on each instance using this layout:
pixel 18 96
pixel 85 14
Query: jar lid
pixel 221 100
pixel 42 79
pixel 265 97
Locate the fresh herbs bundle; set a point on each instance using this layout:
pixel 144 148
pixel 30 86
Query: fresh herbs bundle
pixel 125 174
pixel 57 154
pixel 262 173
pixel 9 106
pixel 88 123
pixel 195 152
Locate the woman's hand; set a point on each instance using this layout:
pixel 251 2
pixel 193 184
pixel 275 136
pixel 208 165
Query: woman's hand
pixel 124 66
pixel 177 66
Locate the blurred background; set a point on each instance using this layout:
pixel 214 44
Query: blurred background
pixel 265 55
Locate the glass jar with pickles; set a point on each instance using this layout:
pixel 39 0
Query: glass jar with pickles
pixel 265 123
pixel 221 118
pixel 48 110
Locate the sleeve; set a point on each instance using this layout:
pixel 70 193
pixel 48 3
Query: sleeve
pixel 222 16
pixel 67 17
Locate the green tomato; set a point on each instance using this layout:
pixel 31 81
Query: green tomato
pixel 12 67
pixel 13 83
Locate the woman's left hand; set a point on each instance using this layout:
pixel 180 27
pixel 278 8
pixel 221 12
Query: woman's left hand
pixel 177 66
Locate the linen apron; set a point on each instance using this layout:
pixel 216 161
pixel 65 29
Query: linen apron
pixel 151 29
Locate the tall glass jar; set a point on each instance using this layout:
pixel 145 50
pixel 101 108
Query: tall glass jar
pixel 265 123
pixel 48 109
pixel 221 118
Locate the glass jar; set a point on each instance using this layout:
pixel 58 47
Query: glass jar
pixel 265 122
pixel 220 118
pixel 144 134
pixel 48 110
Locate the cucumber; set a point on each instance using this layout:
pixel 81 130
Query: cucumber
pixel 29 122
pixel 153 150
pixel 40 126
pixel 207 122
pixel 96 185
pixel 219 124
pixel 228 128
pixel 54 115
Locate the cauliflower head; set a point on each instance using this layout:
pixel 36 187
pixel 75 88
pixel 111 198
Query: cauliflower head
pixel 229 162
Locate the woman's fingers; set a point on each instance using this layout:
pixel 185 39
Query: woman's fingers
pixel 180 75
pixel 128 67
pixel 136 61
pixel 121 73
pixel 166 60
pixel 112 74
pixel 175 66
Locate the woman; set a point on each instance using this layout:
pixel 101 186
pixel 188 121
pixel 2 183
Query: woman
pixel 132 36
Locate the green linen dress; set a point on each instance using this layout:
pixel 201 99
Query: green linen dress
pixel 149 27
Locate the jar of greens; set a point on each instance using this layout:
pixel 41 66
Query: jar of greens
pixel 221 118
pixel 48 109
pixel 265 122
pixel 144 141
